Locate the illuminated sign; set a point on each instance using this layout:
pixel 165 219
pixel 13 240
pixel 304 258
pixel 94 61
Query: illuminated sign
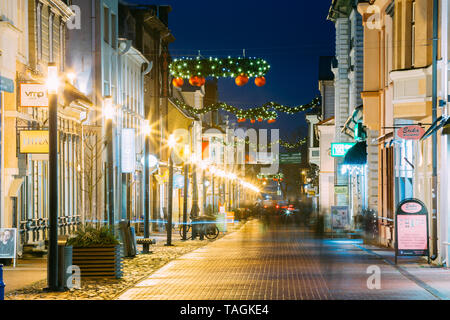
pixel 339 149
pixel 128 151
pixel 33 141
pixel 411 229
pixel 33 95
pixel 341 189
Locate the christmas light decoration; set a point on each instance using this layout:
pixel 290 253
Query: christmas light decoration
pixel 219 67
pixel 282 143
pixel 268 111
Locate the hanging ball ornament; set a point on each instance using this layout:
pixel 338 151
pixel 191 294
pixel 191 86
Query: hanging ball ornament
pixel 197 81
pixel 252 121
pixel 178 82
pixel 260 81
pixel 260 119
pixel 271 121
pixel 241 80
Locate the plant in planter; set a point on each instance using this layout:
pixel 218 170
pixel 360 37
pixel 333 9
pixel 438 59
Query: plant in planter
pixel 96 251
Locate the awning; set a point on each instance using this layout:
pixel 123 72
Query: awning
pixel 441 122
pixel 71 94
pixel 356 155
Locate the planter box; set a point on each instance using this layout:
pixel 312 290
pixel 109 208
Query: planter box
pixel 98 262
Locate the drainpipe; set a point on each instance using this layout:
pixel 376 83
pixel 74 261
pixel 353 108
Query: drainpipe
pixel 434 143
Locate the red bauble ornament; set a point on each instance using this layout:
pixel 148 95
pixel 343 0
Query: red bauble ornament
pixel 271 121
pixel 252 121
pixel 260 119
pixel 241 120
pixel 197 81
pixel 241 80
pixel 260 81
pixel 178 82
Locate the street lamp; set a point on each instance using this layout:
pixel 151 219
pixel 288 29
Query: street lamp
pixel 146 132
pixel 52 260
pixel 109 115
pixel 171 143
pixel 186 189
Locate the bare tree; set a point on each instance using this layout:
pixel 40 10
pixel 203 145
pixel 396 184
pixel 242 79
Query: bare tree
pixel 91 173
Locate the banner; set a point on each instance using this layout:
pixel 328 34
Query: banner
pixel 8 239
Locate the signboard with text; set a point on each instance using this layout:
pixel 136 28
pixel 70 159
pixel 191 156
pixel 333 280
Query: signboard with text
pixel 413 132
pixel 128 151
pixel 33 141
pixel 8 240
pixel 291 158
pixel 339 149
pixel 33 95
pixel 411 228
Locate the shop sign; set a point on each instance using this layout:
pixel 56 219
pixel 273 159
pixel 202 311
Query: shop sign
pixel 291 158
pixel 33 95
pixel 413 132
pixel 33 141
pixel 411 229
pixel 128 151
pixel 339 149
pixel 341 189
pixel 6 85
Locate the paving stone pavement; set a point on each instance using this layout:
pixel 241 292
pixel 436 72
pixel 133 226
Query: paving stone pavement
pixel 275 263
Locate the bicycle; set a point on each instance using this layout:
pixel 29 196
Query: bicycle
pixel 210 230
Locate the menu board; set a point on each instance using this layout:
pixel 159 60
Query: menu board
pixel 411 228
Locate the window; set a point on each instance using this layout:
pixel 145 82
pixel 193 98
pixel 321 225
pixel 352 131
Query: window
pixel 413 31
pixel 113 31
pixel 50 37
pixel 39 30
pixel 62 48
pixel 106 24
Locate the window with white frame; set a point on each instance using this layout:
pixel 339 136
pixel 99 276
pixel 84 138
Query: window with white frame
pixel 39 30
pixel 51 57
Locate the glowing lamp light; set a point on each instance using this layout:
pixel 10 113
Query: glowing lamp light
pixel 146 129
pixel 109 109
pixel 71 76
pixel 171 142
pixel 52 79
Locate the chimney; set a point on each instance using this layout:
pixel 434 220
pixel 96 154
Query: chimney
pixel 163 14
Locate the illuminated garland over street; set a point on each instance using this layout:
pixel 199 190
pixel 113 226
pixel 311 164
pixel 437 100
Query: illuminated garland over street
pixel 219 67
pixel 274 177
pixel 282 143
pixel 268 111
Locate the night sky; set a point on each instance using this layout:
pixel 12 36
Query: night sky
pixel 289 34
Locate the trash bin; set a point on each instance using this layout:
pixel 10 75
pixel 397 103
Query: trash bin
pixel 64 262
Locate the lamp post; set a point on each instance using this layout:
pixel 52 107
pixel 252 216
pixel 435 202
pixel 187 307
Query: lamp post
pixel 52 260
pixel 171 144
pixel 109 115
pixel 186 188
pixel 146 132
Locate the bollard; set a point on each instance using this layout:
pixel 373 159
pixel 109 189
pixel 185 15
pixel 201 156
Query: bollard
pixel 2 284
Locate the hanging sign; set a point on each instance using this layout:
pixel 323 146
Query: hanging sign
pixel 340 189
pixel 413 132
pixel 340 149
pixel 291 158
pixel 33 141
pixel 128 151
pixel 33 95
pixel 411 229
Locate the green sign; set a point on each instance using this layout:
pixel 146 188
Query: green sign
pixel 341 189
pixel 6 84
pixel 340 149
pixel 291 158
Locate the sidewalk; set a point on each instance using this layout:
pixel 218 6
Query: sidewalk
pixel 26 272
pixel 434 279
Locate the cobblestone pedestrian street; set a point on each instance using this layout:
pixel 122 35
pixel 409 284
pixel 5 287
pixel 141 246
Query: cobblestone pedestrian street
pixel 278 263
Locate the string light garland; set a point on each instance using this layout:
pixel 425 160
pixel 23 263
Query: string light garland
pixel 274 177
pixel 219 67
pixel 282 143
pixel 267 111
